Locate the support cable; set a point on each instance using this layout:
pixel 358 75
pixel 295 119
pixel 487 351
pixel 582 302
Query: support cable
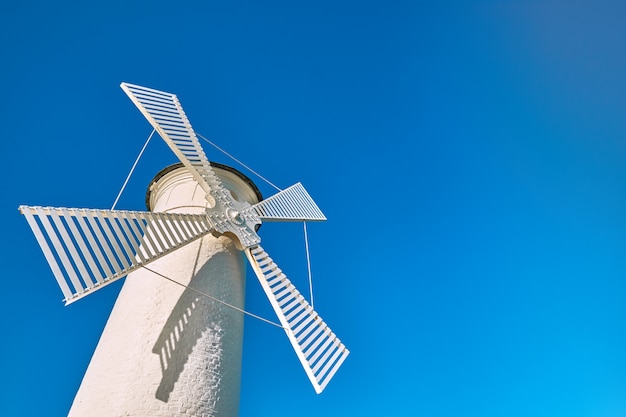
pixel 308 262
pixel 132 169
pixel 238 161
pixel 213 298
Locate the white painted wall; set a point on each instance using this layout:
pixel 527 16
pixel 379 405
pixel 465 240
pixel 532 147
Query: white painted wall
pixel 165 350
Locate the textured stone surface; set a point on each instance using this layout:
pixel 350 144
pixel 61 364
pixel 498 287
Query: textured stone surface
pixel 167 350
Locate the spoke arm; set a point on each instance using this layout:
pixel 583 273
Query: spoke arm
pixel 291 204
pixel 88 249
pixel 166 115
pixel 320 352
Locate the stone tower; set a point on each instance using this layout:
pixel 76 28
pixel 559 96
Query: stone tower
pixel 168 349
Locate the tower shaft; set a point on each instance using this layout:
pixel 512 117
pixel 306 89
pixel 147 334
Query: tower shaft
pixel 167 349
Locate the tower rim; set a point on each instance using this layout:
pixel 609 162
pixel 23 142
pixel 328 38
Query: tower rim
pixel 215 165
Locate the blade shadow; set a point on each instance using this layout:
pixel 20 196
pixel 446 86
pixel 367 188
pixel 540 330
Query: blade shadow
pixel 199 327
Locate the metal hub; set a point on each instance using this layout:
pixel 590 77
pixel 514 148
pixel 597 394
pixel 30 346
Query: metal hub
pixel 235 216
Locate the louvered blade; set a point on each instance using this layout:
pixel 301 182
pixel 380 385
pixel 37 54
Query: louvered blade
pixel 292 204
pixel 88 249
pixel 166 115
pixel 319 350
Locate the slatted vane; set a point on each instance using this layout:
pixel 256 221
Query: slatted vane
pixel 166 115
pixel 291 204
pixel 87 249
pixel 319 350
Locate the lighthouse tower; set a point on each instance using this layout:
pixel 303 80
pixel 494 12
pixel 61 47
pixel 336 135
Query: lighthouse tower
pixel 172 345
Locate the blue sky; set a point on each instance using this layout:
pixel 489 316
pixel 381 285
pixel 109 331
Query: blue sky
pixel 469 157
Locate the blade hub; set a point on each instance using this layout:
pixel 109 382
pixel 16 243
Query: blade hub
pixel 235 216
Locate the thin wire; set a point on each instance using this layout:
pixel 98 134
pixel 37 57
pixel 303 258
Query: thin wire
pixel 213 298
pixel 308 262
pixel 132 169
pixel 238 161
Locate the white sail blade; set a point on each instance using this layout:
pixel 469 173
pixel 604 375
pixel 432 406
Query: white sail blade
pixel 291 204
pixel 319 350
pixel 166 115
pixel 88 249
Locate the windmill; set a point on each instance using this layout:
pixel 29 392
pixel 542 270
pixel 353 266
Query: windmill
pixel 88 249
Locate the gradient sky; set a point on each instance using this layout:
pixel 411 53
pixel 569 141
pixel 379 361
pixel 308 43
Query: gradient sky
pixel 470 157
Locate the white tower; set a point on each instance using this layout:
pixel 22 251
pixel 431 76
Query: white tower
pixel 168 350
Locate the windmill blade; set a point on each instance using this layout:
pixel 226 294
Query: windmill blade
pixel 291 204
pixel 319 350
pixel 88 249
pixel 166 115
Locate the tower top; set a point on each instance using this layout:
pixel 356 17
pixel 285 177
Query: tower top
pixel 234 180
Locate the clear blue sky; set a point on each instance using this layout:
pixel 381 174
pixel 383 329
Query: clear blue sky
pixel 470 157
